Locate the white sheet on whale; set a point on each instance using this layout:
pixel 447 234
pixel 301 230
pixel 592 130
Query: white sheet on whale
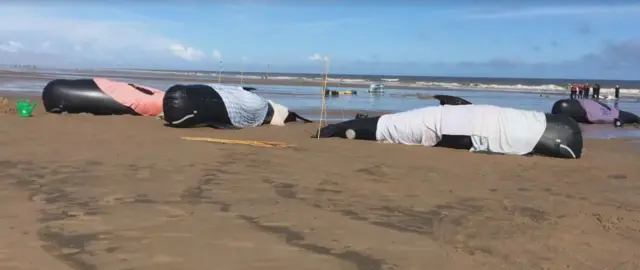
pixel 245 109
pixel 414 127
pixel 495 129
pixel 492 129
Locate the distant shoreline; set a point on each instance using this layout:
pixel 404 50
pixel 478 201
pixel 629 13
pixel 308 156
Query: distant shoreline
pixel 349 75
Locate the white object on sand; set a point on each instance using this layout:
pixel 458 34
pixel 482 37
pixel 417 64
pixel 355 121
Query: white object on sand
pixel 350 134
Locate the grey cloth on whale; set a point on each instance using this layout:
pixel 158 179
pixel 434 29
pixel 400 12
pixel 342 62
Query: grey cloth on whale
pixel 245 109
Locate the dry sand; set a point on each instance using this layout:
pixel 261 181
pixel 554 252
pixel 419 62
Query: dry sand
pixel 125 192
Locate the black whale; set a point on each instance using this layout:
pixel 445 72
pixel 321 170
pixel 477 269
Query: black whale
pixel 592 112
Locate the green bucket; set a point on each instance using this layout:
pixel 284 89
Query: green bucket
pixel 25 107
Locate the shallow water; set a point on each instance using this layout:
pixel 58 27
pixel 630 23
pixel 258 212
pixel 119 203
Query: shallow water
pixel 609 132
pixel 309 98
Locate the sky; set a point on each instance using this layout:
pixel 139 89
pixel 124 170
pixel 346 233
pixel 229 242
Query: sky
pixel 539 39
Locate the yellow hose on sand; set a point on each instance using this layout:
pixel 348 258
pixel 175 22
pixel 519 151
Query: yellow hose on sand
pixel 243 142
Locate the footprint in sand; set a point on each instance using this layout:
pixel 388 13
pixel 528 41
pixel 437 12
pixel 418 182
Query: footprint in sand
pixel 118 199
pixel 164 259
pixel 113 199
pixel 233 243
pixel 128 256
pixel 143 174
pixel 177 234
pixel 129 233
pixel 172 211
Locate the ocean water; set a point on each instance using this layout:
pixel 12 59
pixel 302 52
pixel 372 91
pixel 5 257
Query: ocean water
pixel 310 98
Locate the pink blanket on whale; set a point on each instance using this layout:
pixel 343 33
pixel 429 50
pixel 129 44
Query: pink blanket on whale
pixel 147 104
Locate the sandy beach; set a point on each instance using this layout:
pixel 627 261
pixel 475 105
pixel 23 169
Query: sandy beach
pixel 125 192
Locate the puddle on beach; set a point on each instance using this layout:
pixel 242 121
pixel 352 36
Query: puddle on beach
pixel 609 132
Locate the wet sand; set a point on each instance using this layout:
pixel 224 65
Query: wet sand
pixel 125 192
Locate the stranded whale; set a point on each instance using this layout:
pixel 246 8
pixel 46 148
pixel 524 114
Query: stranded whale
pixel 101 97
pixel 588 111
pixel 479 128
pixel 222 106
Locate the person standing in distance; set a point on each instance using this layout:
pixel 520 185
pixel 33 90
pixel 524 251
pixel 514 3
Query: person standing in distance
pixel 580 90
pixel 596 91
pixel 587 89
pixel 616 94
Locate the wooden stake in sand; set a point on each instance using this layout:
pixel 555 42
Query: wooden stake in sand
pixel 243 142
pixel 242 72
pixel 323 108
pixel 220 72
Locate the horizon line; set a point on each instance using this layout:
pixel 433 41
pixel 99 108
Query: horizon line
pixel 387 76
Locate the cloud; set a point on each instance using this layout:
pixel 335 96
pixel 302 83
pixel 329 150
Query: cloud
pixel 187 53
pixel 11 46
pixel 328 24
pixel 616 55
pixel 40 29
pixel 540 11
pixel 585 29
pixel 216 54
pixel 315 57
pixel 46 45
pixel 318 57
pixel 615 60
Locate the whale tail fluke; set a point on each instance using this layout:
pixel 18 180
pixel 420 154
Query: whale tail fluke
pixel 451 100
pixel 293 116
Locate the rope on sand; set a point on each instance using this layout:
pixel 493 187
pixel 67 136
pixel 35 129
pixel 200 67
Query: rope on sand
pixel 242 142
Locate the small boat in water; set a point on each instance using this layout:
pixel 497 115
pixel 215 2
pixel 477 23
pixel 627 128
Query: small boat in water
pixel 376 88
pixel 335 93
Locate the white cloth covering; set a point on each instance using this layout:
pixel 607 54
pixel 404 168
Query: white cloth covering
pixel 492 129
pixel 495 129
pixel 414 127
